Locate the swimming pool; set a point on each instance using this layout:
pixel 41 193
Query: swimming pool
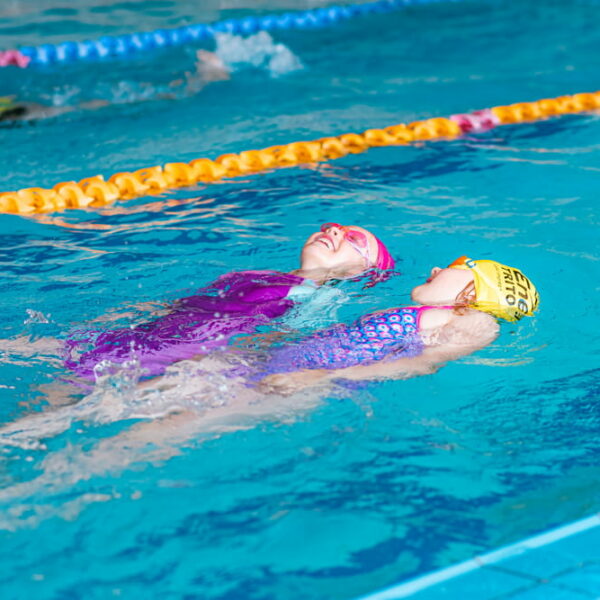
pixel 337 497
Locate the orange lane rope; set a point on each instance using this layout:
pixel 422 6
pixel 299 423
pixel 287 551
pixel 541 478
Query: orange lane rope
pixel 96 191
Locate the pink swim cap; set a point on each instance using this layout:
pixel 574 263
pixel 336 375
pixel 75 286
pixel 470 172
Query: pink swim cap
pixel 384 258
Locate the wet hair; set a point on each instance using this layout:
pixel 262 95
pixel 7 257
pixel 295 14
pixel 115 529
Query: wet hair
pixel 371 277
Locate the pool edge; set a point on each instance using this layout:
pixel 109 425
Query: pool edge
pixel 429 580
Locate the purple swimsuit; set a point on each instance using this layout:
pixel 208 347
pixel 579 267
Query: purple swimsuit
pixel 235 303
pixel 239 303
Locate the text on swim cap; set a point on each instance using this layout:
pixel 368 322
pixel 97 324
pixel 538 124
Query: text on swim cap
pixel 517 288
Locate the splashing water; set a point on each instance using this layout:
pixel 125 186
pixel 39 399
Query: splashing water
pixel 35 316
pixel 259 51
pixel 190 386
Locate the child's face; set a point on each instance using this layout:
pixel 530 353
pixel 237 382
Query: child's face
pixel 442 287
pixel 332 248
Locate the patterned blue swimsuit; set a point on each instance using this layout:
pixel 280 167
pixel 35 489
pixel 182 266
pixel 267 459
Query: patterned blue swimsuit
pixel 385 335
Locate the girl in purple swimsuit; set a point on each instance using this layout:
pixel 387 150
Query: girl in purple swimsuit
pixel 235 303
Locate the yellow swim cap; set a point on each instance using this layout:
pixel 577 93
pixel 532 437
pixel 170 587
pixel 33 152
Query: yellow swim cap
pixel 7 102
pixel 501 291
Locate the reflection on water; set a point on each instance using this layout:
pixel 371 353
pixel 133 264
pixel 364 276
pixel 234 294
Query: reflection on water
pixel 163 207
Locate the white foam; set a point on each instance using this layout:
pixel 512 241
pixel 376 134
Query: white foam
pixel 35 316
pixel 257 51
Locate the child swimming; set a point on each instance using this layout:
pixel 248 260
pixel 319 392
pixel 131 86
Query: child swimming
pixel 456 314
pixel 209 68
pixel 232 53
pixel 235 303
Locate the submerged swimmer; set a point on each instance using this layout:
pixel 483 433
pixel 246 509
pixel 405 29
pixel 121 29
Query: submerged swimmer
pixel 235 303
pixel 208 68
pixel 231 54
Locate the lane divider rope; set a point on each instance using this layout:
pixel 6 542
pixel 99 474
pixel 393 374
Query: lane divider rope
pixel 96 191
pixel 124 45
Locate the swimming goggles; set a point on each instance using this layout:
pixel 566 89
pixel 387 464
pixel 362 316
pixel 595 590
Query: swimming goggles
pixel 357 239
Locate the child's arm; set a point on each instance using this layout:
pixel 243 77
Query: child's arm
pixel 403 368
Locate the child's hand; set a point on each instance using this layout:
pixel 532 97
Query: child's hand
pixel 285 384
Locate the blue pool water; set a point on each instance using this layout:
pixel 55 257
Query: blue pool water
pixel 318 498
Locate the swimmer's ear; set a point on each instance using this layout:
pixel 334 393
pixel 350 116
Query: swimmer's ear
pixel 467 295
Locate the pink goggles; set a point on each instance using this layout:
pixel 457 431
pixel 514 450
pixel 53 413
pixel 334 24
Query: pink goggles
pixel 359 241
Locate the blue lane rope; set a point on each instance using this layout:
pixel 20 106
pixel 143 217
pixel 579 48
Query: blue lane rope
pixel 124 45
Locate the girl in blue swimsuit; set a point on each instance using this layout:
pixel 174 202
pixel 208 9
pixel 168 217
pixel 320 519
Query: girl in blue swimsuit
pixel 457 313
